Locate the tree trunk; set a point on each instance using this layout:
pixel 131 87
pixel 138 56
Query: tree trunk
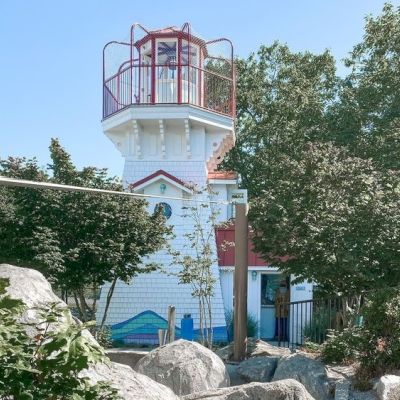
pixel 84 306
pixel 108 301
pixel 94 294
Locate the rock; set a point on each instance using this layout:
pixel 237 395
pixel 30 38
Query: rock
pixel 234 377
pixel 131 384
pixel 311 373
pixel 287 389
pixel 255 348
pixel 185 367
pixel 31 287
pixel 125 356
pixel 258 369
pixel 388 387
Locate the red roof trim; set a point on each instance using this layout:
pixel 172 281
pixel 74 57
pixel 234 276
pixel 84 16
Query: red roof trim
pixel 226 175
pixel 154 175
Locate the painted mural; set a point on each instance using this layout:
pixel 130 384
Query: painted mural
pixel 143 329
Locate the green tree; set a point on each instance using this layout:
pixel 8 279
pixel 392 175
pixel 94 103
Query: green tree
pixel 282 99
pixel 366 116
pixel 196 261
pixel 334 215
pixel 79 240
pixel 319 156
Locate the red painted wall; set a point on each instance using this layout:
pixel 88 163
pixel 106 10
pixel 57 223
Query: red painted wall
pixel 227 257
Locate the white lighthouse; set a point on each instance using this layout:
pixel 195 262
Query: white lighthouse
pixel 168 107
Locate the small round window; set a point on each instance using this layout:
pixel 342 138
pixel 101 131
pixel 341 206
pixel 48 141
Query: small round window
pixel 166 209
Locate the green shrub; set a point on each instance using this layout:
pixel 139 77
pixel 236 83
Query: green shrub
pixel 381 312
pixel 47 366
pixel 344 346
pixel 252 325
pixel 376 344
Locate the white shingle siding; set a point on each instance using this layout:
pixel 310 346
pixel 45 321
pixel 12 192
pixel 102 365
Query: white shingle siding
pixel 179 140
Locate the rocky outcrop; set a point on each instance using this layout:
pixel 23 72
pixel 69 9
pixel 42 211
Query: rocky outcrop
pixel 311 373
pixel 255 348
pixel 31 287
pixel 126 356
pixel 287 389
pixel 388 387
pixel 258 369
pixel 185 367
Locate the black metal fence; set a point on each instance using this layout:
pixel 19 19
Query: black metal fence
pixel 311 320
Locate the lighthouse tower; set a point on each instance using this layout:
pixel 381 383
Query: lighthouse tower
pixel 168 107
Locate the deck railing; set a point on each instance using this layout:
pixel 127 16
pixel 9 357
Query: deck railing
pixel 168 84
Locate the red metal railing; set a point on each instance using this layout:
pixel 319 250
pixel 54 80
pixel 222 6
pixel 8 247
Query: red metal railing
pixel 168 84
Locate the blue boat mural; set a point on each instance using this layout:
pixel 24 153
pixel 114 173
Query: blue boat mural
pixel 143 329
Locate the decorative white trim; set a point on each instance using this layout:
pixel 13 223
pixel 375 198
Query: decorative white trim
pixel 136 135
pixel 168 112
pixel 187 138
pixel 159 178
pixel 222 181
pixel 162 137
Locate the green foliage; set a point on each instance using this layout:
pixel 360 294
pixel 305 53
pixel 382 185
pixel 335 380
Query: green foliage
pixel 376 344
pixel 319 156
pixel 103 336
pixel 344 346
pixel 77 240
pixel 381 331
pixel 47 365
pixel 252 325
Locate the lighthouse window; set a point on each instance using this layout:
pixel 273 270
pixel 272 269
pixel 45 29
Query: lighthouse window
pixel 166 209
pixel 189 54
pixel 167 53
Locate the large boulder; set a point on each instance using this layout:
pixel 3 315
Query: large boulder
pixel 258 369
pixel 255 348
pixel 311 373
pixel 288 389
pixel 185 367
pixel 388 387
pixel 31 287
pixel 131 384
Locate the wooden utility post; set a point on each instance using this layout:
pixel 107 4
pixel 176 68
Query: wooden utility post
pixel 240 281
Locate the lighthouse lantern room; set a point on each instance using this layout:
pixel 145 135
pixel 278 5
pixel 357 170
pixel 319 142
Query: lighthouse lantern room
pixel 168 66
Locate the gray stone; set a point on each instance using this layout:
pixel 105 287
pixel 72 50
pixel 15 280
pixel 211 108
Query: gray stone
pixel 234 377
pixel 287 389
pixel 32 288
pixel 258 369
pixel 342 390
pixel 311 373
pixel 185 367
pixel 388 387
pixel 131 384
pixel 126 356
pixel 255 348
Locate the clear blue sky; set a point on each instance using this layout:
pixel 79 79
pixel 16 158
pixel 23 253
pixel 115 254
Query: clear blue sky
pixel 50 57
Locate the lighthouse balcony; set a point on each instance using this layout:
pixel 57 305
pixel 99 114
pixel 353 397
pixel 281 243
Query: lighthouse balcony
pixel 135 85
pixel 170 66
